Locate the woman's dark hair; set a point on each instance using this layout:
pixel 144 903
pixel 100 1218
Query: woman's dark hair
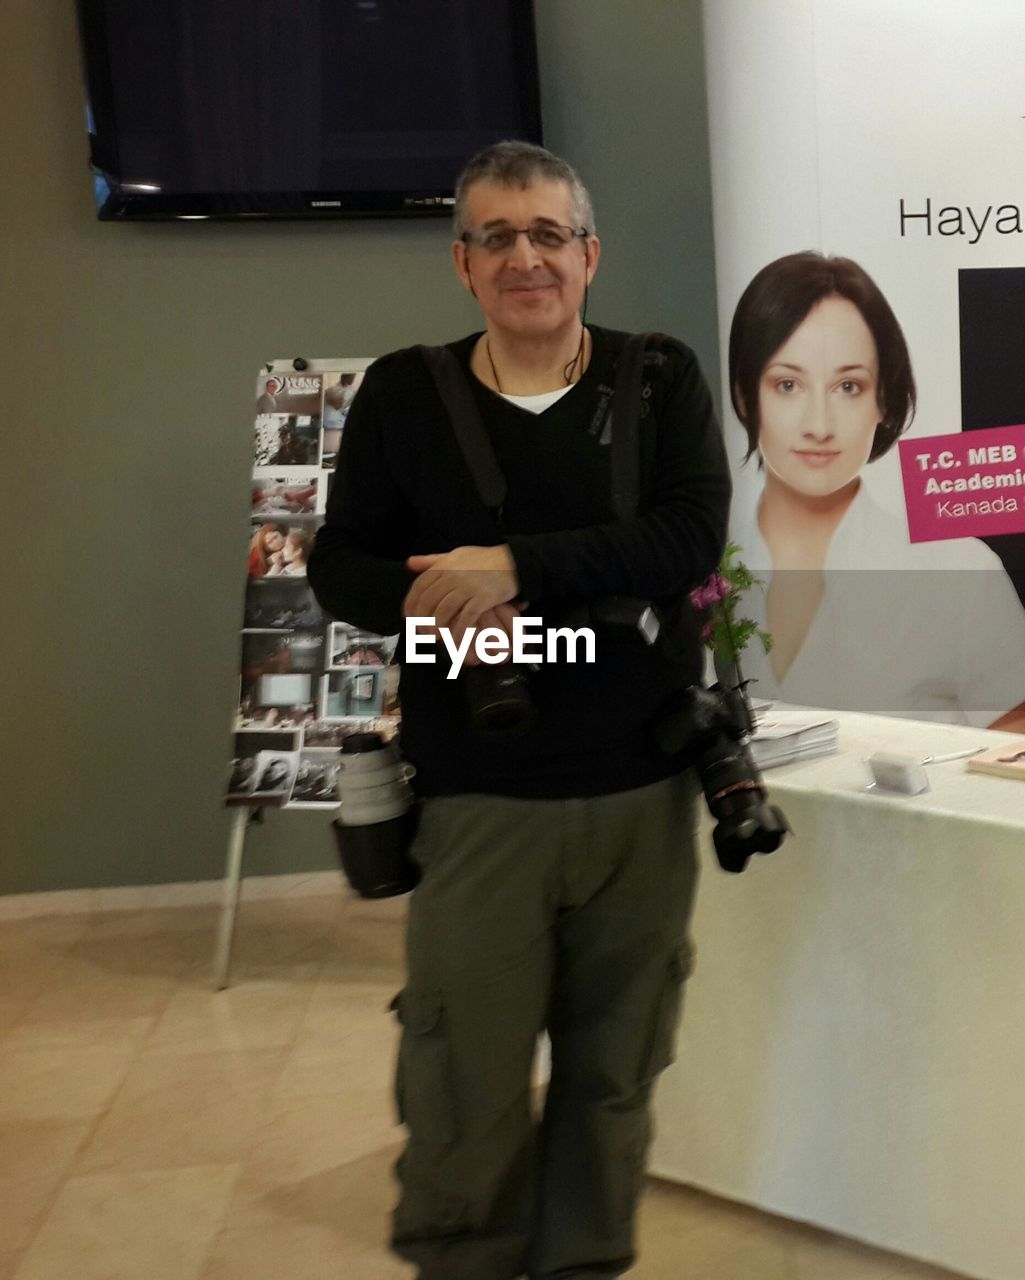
pixel 777 301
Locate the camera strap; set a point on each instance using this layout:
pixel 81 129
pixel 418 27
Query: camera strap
pixel 478 451
pixel 464 415
pixel 625 424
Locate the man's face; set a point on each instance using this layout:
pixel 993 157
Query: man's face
pixel 525 290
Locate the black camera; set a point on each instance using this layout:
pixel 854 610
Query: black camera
pixel 715 725
pixel 498 698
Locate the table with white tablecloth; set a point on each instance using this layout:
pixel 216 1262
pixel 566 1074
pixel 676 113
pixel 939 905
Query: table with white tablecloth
pixel 853 1044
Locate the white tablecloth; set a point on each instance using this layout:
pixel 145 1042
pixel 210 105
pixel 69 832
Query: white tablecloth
pixel 853 1044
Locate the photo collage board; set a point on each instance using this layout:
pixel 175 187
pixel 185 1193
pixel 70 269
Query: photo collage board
pixel 306 681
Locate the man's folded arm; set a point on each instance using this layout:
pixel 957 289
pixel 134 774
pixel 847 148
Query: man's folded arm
pixel 357 568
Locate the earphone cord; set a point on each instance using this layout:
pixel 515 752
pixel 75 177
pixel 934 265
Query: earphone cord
pixel 494 371
pixel 567 373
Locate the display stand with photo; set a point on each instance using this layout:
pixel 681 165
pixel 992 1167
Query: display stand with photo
pixel 305 681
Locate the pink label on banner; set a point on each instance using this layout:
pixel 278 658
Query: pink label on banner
pixel 964 485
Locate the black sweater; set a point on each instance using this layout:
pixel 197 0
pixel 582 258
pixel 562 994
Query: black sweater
pixel 402 487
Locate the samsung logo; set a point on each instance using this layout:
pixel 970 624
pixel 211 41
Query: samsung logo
pixel 325 204
pixel 427 202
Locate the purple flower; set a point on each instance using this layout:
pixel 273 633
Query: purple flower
pixel 714 590
pixel 706 632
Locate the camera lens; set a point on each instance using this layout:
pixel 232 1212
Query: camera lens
pixel 498 700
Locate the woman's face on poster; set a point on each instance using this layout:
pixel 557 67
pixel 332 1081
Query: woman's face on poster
pixel 818 401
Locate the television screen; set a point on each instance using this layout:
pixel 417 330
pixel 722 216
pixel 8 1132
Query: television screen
pixel 299 108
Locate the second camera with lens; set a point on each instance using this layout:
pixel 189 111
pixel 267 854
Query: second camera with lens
pixel 714 726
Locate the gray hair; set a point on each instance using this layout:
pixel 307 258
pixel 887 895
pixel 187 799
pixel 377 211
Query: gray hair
pixel 518 164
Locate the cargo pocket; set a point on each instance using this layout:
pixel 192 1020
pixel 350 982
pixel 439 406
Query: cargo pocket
pixel 662 1047
pixel 423 1078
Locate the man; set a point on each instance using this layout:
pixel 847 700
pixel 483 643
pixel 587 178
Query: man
pixel 268 401
pixel 559 865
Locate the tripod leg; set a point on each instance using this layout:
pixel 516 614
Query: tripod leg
pixel 232 885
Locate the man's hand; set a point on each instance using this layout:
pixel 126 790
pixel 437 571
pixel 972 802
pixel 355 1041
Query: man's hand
pixel 502 617
pixel 456 588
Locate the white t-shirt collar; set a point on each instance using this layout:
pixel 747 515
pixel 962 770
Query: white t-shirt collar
pixel 536 404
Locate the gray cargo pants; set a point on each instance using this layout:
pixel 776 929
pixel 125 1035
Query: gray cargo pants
pixel 569 915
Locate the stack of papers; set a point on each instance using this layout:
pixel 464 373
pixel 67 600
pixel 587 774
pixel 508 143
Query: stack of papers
pixel 784 736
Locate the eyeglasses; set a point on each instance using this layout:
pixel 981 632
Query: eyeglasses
pixel 542 235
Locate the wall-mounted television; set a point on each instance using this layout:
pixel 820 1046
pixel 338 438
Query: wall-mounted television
pixel 255 109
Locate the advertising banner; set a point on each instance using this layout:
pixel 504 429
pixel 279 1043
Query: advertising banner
pixel 874 406
pixel 305 681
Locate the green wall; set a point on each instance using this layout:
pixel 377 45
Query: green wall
pixel 129 354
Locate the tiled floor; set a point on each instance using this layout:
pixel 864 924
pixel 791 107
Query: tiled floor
pixel 153 1129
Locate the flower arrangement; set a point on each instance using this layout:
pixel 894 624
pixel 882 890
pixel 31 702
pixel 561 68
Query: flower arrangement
pixel 717 599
